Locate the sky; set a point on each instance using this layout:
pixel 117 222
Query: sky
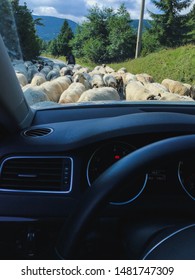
pixel 77 9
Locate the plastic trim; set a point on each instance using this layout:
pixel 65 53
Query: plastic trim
pixel 112 202
pixel 180 180
pixel 28 136
pixel 36 191
pixel 166 238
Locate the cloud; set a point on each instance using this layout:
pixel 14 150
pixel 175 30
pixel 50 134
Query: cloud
pixel 131 5
pixel 76 10
pixel 51 11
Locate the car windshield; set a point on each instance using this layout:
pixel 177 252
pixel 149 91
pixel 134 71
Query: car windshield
pixel 84 52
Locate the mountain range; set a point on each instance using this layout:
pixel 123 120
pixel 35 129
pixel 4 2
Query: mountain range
pixel 52 26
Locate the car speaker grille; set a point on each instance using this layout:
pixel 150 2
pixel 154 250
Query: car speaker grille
pixel 37 132
pixel 36 174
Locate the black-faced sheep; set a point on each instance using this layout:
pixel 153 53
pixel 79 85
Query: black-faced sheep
pixel 53 74
pixel 66 70
pixel 97 81
pixel 82 78
pixel 110 80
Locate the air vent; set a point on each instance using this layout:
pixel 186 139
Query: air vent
pixel 36 174
pixel 37 132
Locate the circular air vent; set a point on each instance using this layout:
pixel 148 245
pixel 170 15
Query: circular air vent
pixel 37 132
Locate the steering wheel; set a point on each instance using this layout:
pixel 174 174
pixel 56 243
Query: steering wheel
pixel 112 179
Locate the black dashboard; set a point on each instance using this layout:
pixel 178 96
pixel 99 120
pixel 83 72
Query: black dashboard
pixel 92 144
pixel 81 143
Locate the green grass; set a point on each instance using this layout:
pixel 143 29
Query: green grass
pixel 177 64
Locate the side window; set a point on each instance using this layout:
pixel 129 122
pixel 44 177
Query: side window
pixel 8 31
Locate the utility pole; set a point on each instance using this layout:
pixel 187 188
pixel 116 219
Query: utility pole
pixel 139 32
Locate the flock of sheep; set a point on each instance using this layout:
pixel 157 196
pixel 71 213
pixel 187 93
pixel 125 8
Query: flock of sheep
pixel 62 84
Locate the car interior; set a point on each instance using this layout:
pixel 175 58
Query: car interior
pixel 97 181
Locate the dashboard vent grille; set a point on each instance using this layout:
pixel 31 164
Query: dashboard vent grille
pixel 36 174
pixel 37 132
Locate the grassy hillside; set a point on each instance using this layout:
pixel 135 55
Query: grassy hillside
pixel 177 64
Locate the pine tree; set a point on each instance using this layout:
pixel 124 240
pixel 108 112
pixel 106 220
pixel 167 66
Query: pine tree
pixel 60 45
pixel 122 38
pixel 169 27
pixel 63 39
pixel 91 39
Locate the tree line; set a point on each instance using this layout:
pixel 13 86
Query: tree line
pixel 107 35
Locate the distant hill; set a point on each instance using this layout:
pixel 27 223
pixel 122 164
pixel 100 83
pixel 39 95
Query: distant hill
pixel 52 26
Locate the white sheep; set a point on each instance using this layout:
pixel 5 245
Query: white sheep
pixel 68 79
pixel 122 70
pixel 99 94
pixel 46 69
pixel 66 70
pixel 99 70
pixel 156 88
pixel 32 71
pixel 22 79
pixel 72 94
pixel 38 79
pixel 34 95
pixel 20 67
pixel 128 77
pixel 77 67
pixel 144 78
pixel 136 91
pixel 53 90
pixel 81 70
pixel 108 69
pixel 64 82
pixel 53 74
pixel 176 87
pixel 168 96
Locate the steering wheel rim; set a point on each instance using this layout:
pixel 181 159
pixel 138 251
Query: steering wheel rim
pixel 138 161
